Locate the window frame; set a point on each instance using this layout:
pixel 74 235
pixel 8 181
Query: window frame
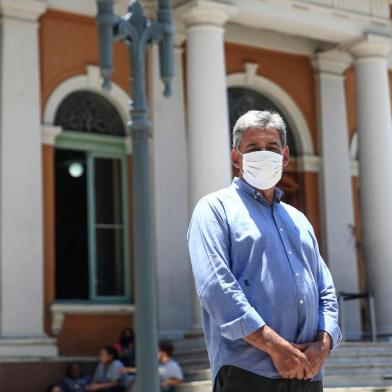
pixel 111 147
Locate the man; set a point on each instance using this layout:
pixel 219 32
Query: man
pixel 269 308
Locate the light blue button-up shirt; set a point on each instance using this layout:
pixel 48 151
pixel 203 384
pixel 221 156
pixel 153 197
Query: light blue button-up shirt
pixel 257 264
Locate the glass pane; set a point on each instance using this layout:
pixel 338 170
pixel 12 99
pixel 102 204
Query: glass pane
pixel 107 174
pixel 109 262
pixel 71 225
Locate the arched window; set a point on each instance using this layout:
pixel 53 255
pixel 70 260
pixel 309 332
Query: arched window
pixel 243 99
pixel 92 257
pixel 85 111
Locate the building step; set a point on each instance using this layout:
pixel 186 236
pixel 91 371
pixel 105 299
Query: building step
pixel 206 386
pixel 356 380
pixel 354 366
pixel 355 369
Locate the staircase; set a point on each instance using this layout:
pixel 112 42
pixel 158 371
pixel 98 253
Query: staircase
pixel 359 367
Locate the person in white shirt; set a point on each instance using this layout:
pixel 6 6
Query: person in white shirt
pixel 170 372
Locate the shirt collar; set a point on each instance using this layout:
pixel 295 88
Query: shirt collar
pixel 243 186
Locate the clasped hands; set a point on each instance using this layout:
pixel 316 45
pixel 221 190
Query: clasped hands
pixel 302 361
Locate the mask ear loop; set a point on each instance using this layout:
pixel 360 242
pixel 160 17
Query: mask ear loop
pixel 241 171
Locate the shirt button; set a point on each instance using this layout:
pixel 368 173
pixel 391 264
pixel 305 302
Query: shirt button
pixel 281 229
pixel 301 301
pixel 289 252
pixel 297 274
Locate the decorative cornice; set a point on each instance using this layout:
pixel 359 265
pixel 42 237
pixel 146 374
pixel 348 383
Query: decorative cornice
pixel 313 164
pixel 309 163
pixel 354 167
pixel 93 74
pixel 332 62
pixel 370 45
pixel 179 39
pixel 49 133
pixel 205 12
pixel 250 72
pixel 128 144
pixel 29 10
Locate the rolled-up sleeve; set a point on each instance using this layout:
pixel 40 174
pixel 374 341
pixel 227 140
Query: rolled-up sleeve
pixel 219 292
pixel 328 305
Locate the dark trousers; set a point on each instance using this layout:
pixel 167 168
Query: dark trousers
pixel 234 379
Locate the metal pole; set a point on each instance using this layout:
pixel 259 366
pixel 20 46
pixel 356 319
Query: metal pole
pixel 145 281
pixel 139 33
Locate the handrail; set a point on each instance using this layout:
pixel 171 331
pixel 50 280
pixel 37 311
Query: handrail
pixel 342 297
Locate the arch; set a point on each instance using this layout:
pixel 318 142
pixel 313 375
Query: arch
pixel 91 81
pixel 242 99
pixel 88 112
pixel 276 94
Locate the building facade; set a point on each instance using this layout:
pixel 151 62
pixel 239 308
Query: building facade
pixel 66 265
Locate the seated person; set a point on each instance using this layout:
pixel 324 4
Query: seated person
pixel 75 381
pixel 126 347
pixel 54 388
pixel 170 372
pixel 107 377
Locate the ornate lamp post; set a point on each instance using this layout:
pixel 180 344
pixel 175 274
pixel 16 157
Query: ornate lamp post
pixel 138 33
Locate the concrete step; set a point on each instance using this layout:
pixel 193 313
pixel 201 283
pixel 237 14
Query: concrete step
pixel 384 347
pixel 201 359
pixel 198 374
pixel 355 369
pixel 357 359
pixel 206 386
pixel 190 354
pixel 359 389
pixel 189 344
pixel 355 380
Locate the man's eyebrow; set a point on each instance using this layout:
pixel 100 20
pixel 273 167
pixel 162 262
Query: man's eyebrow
pixel 273 144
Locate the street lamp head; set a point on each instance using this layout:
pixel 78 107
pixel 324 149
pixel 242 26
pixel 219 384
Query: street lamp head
pixel 106 21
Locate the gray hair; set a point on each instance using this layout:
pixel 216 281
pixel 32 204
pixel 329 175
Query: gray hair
pixel 261 120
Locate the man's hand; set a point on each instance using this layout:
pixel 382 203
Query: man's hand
pixel 289 361
pixel 316 352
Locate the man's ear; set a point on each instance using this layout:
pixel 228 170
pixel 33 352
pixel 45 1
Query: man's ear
pixel 286 156
pixel 235 158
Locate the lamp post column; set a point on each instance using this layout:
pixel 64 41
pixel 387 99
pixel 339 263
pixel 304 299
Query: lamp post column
pixel 138 33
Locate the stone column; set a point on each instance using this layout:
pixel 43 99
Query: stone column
pixel 375 165
pixel 170 179
pixel 21 202
pixel 208 119
pixel 336 191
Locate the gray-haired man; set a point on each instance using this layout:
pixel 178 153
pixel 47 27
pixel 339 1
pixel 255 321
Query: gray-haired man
pixel 268 302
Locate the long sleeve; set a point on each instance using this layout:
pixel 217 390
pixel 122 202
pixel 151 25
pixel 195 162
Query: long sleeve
pixel 328 305
pixel 219 292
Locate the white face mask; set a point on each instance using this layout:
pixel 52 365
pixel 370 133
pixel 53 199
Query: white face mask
pixel 262 169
